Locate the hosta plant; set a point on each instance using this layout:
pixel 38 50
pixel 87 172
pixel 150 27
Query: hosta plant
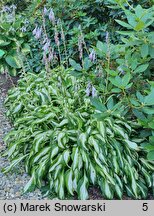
pixel 12 41
pixel 65 141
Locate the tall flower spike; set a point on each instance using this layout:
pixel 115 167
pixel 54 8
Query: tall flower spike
pixel 107 37
pixel 34 31
pixel 45 11
pixel 38 33
pixel 88 89
pixel 52 17
pixel 94 92
pixel 56 37
pixel 46 46
pixel 50 57
pixel 92 56
pixel 80 47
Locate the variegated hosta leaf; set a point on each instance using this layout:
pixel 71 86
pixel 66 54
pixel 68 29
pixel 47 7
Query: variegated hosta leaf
pixel 60 142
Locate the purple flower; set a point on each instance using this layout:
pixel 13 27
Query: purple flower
pixel 52 17
pixel 6 9
pixel 80 46
pixel 88 89
pixel 45 11
pixel 94 92
pixel 107 37
pixel 92 56
pixel 46 45
pixel 37 32
pixel 50 58
pixel 56 37
pixel 44 58
pixel 34 31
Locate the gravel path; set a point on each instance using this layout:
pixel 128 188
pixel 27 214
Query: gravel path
pixel 11 185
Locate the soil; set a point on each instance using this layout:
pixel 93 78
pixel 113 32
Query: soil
pixel 6 82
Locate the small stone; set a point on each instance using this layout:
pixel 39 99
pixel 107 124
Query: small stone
pixel 18 194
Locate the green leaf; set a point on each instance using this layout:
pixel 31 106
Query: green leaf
pixel 26 48
pixel 112 72
pixel 110 103
pixel 151 52
pixel 87 63
pixel 150 155
pixel 13 71
pixel 118 191
pixel 30 186
pixel 148 110
pixel 139 11
pixel 92 173
pixel 140 25
pixel 123 24
pixel 13 61
pixel 75 65
pixel 54 151
pixel 66 156
pixel 14 163
pixel 43 152
pixel 126 79
pixel 17 108
pixel 97 104
pixel 117 81
pixel 4 43
pixel 83 140
pixel 82 188
pixel 60 137
pixel 55 163
pixel 2 52
pixel 85 159
pixel 69 181
pixel 140 97
pixel 148 146
pixel 101 48
pixel 47 117
pixel 61 186
pixel 141 68
pixel 116 90
pixel 132 145
pixel 106 189
pixel 144 50
pixel 93 142
pixel 149 100
pixel 75 158
pixel 139 115
pixel 151 124
pixel 102 128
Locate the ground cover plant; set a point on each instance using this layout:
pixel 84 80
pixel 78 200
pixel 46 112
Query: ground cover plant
pixel 83 109
pixel 61 143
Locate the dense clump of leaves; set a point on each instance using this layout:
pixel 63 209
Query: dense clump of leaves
pixel 12 41
pixel 62 140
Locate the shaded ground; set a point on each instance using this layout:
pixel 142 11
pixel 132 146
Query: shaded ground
pixel 11 185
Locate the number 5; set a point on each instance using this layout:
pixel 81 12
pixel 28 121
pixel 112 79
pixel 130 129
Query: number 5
pixel 145 207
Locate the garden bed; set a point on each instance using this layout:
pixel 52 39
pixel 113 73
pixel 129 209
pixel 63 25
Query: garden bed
pixel 12 184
